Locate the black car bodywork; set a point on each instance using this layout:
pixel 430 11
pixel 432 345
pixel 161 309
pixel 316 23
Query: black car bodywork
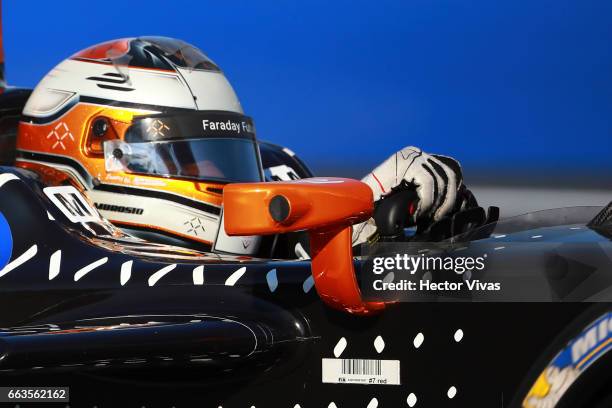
pixel 116 318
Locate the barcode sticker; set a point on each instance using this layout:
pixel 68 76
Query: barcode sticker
pixel 360 371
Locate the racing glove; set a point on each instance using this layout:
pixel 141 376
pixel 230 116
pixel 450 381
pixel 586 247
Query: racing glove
pixel 437 181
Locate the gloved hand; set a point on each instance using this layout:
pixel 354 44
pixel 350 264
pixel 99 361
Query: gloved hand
pixel 437 180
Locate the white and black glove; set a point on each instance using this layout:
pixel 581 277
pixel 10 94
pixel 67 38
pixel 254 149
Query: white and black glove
pixel 436 179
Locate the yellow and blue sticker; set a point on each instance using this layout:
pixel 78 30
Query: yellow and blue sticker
pixel 6 242
pixel 582 351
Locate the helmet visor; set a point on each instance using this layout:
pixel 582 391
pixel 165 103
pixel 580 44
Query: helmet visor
pixel 217 147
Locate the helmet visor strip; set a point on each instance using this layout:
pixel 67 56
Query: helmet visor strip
pixel 202 146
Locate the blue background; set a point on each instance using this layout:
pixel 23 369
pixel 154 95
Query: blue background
pixel 501 85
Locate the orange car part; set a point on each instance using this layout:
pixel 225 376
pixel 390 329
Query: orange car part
pixel 326 208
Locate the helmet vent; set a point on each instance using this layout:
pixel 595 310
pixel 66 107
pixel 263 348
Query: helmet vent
pixel 112 81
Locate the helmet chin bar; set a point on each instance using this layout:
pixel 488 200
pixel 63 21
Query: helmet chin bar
pixel 326 207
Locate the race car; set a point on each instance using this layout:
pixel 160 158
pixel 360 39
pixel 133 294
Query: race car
pixel 162 321
pixel 85 305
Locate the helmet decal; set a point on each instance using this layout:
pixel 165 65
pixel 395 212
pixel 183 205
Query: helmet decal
pixel 59 135
pixel 113 81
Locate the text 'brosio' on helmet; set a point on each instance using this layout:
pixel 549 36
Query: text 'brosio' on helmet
pixel 151 129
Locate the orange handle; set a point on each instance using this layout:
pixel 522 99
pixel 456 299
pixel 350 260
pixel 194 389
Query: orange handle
pixel 326 207
pixel 334 272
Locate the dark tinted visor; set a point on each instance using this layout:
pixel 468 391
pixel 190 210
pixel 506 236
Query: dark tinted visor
pixel 204 146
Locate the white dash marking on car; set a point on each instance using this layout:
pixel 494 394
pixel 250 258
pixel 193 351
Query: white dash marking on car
pixel 6 177
pixel 308 284
pixel 499 236
pixel 418 340
pixel 272 280
pixel 54 264
pixel 379 344
pixel 160 274
pixel 198 275
pixel 85 270
pixel 300 252
pixel 499 248
pixel 389 277
pixel 23 258
pixel 233 278
pixel 340 346
pixel 536 236
pixel 288 151
pixel 126 272
pixel 458 335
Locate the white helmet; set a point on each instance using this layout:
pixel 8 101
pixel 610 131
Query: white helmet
pixel 151 129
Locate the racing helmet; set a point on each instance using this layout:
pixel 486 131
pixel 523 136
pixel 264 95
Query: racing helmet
pixel 151 130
